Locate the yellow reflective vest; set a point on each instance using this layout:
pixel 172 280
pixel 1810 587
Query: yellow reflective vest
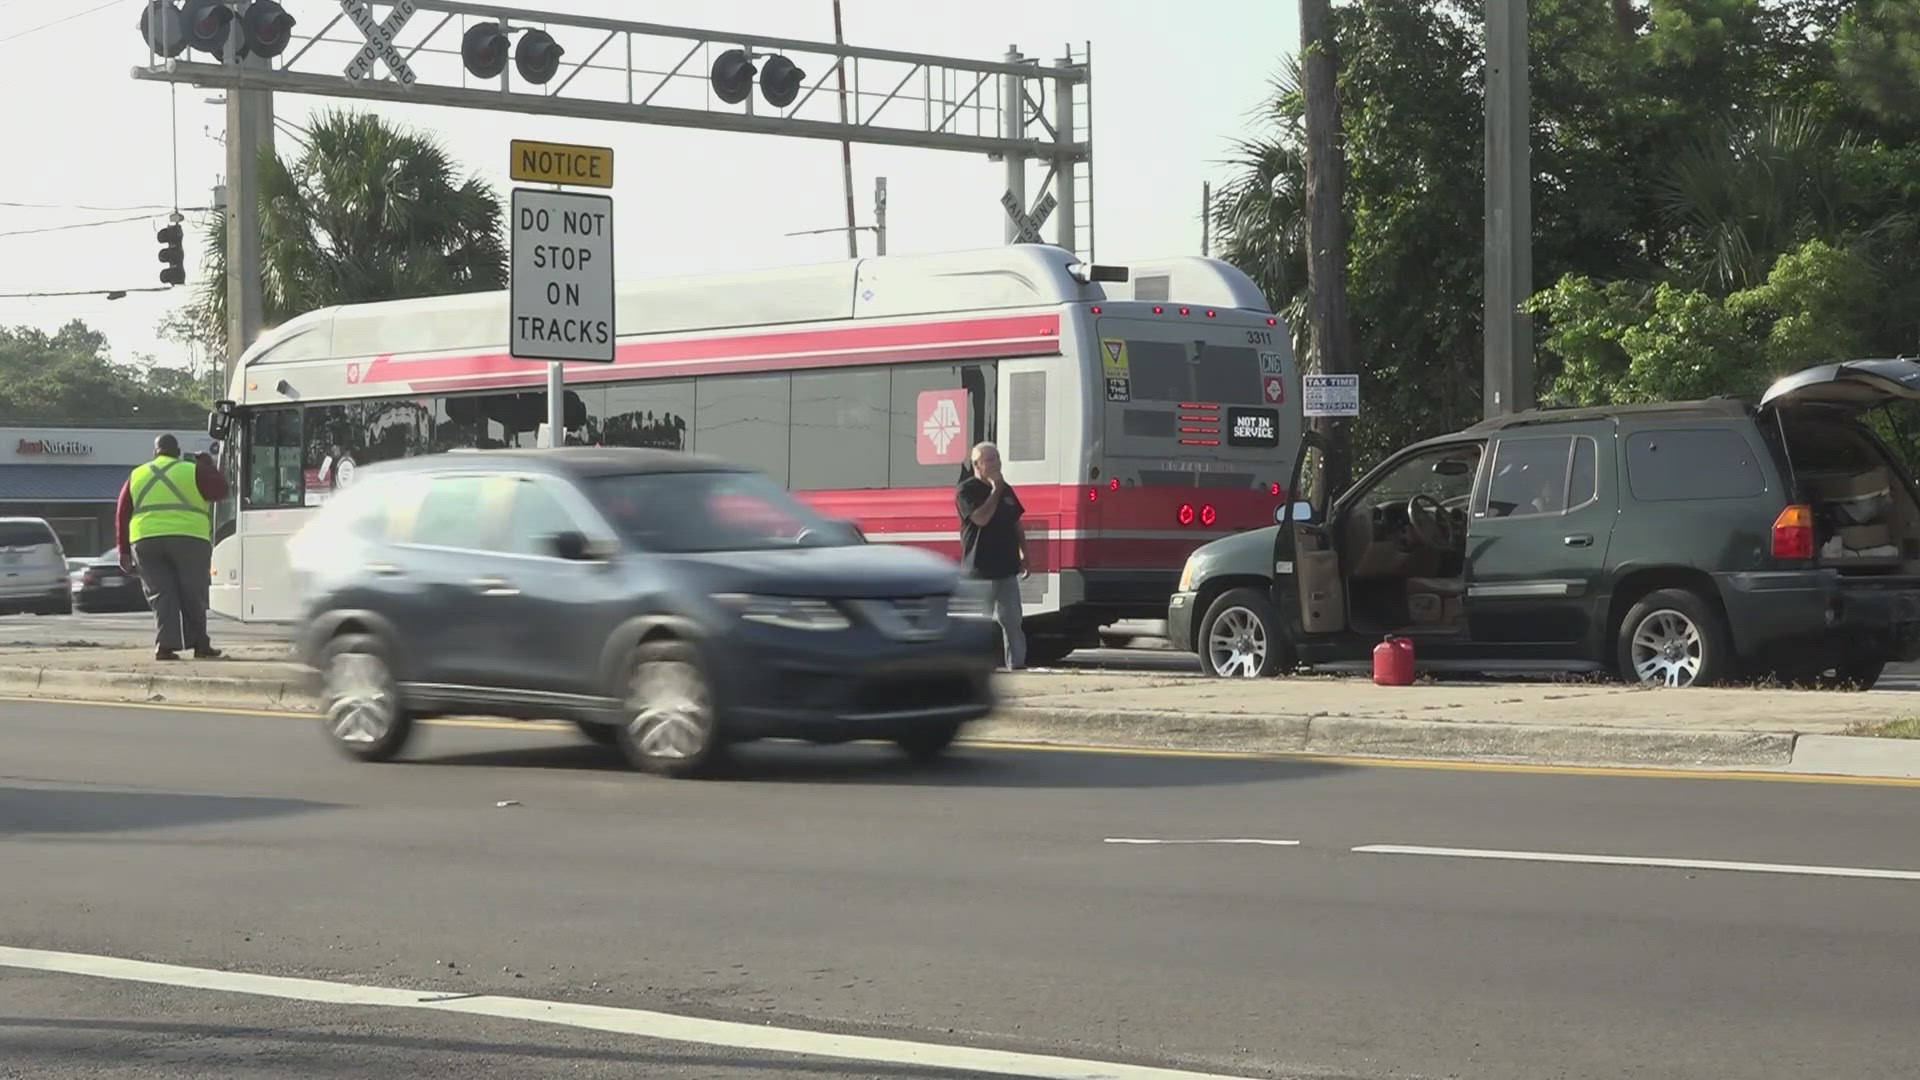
pixel 167 502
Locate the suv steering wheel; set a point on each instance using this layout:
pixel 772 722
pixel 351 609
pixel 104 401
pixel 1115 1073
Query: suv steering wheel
pixel 1431 523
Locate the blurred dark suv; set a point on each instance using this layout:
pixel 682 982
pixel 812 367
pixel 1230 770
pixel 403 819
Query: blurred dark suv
pixel 666 603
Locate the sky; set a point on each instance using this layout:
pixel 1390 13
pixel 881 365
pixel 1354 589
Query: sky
pixel 1173 86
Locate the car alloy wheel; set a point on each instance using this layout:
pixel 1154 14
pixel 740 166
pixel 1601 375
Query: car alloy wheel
pixel 359 696
pixel 1668 649
pixel 671 714
pixel 1237 645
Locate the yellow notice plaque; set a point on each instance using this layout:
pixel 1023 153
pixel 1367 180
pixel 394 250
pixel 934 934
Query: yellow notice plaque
pixel 562 163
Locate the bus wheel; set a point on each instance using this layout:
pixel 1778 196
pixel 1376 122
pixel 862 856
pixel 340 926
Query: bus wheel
pixel 1048 649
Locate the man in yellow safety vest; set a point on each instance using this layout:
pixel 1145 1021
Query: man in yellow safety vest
pixel 165 526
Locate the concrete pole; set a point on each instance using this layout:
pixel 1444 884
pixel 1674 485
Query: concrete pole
pixel 1508 365
pixel 249 133
pixel 880 215
pixel 1206 218
pixel 1064 183
pixel 1013 123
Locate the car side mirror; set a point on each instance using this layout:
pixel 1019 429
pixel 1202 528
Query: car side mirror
pixel 574 546
pixel 1302 514
pixel 858 535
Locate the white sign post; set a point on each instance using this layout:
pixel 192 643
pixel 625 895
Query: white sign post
pixel 379 39
pixel 1330 395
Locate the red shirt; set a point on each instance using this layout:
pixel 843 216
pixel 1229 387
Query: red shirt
pixel 212 485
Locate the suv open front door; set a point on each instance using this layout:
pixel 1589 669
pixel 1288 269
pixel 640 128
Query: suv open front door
pixel 1306 561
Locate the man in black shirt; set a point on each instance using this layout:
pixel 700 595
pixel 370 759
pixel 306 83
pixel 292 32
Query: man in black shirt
pixel 992 547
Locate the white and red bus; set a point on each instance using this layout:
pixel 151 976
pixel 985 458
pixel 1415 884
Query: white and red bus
pixel 1138 419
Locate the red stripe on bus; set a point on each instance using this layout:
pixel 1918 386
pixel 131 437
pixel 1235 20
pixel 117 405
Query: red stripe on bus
pixel 966 339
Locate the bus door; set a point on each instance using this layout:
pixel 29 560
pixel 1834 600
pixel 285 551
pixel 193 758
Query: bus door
pixel 1034 409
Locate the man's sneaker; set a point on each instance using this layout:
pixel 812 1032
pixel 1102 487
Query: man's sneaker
pixel 165 654
pixel 207 652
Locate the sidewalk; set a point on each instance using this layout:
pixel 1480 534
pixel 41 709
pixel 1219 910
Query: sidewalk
pixel 1542 723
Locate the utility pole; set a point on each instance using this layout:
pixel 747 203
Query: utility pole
pixel 1013 121
pixel 249 132
pixel 880 215
pixel 1508 365
pixel 846 148
pixel 1326 233
pixel 1206 218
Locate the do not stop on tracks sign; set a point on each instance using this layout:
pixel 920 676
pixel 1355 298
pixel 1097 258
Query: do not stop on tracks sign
pixel 562 295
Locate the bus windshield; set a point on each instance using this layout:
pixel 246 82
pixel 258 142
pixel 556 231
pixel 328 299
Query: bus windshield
pixel 712 511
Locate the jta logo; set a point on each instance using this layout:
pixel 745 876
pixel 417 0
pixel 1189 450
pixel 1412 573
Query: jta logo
pixel 943 420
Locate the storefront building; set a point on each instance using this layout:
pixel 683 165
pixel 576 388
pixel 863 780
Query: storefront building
pixel 71 476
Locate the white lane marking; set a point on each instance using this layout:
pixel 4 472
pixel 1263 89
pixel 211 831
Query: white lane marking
pixel 1226 840
pixel 1635 860
pixel 637 1022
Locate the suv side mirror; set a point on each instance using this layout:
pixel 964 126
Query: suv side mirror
pixel 1302 513
pixel 575 547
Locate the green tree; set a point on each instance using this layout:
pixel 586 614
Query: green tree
pixel 69 376
pixel 366 212
pixel 1877 47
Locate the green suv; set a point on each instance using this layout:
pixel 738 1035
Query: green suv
pixel 1675 544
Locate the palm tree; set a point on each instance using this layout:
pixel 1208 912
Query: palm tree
pixel 366 212
pixel 1260 215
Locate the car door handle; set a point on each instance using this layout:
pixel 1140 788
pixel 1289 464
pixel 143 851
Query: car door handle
pixel 384 569
pixel 493 586
pixel 1579 540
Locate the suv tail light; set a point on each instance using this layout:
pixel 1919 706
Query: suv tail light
pixel 1793 533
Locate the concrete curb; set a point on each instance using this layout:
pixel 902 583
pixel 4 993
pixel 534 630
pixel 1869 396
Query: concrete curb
pixel 1442 740
pixel 1438 740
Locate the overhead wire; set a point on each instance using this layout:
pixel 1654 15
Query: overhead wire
pixel 49 25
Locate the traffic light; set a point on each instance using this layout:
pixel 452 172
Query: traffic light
pixel 174 270
pixel 206 23
pixel 265 26
pixel 780 81
pixel 733 76
pixel 160 25
pixel 484 50
pixel 537 57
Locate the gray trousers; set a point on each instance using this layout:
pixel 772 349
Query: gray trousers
pixel 173 573
pixel 1006 612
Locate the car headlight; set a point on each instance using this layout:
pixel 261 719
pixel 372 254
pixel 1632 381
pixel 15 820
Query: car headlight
pixel 972 597
pixel 789 611
pixel 1186 573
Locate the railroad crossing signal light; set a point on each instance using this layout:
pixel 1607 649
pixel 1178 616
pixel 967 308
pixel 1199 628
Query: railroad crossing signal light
pixel 484 50
pixel 538 56
pixel 733 76
pixel 265 26
pixel 174 270
pixel 206 23
pixel 780 81
pixel 160 25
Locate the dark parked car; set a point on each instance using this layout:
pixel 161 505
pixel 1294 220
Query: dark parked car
pixel 1677 544
pixel 102 586
pixel 666 603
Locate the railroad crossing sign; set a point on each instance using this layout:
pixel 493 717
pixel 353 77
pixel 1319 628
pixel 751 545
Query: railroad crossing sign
pixel 1029 224
pixel 379 39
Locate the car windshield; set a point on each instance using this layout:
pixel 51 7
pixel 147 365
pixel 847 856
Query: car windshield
pixel 711 511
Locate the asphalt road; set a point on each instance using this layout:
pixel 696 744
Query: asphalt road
pixel 818 892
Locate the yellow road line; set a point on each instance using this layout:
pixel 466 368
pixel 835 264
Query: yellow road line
pixel 1349 761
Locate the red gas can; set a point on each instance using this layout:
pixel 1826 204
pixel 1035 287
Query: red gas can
pixel 1393 662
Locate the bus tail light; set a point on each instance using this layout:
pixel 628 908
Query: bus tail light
pixel 1113 484
pixel 1273 490
pixel 1208 515
pixel 1186 513
pixel 1093 494
pixel 1793 533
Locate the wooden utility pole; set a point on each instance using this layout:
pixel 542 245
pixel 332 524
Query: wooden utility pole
pixel 1332 331
pixel 1508 362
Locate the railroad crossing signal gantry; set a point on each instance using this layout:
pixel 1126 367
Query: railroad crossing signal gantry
pixel 432 52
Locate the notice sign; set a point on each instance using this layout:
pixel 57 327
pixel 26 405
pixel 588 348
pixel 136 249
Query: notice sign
pixel 1330 395
pixel 562 163
pixel 562 292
